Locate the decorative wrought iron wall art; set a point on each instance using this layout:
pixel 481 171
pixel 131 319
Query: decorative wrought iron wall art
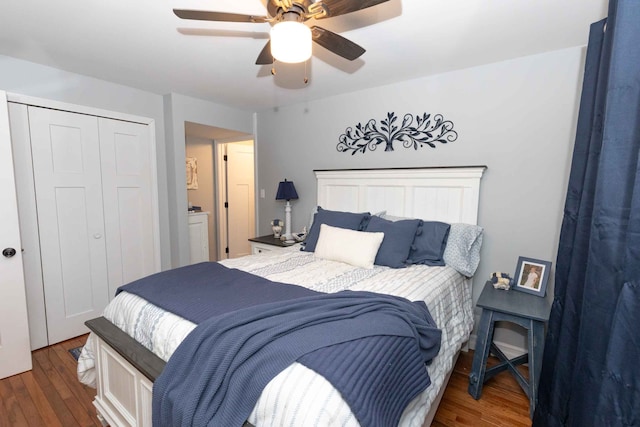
pixel 426 131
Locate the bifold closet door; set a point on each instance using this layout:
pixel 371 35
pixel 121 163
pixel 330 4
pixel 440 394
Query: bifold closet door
pixel 68 185
pixel 93 185
pixel 125 152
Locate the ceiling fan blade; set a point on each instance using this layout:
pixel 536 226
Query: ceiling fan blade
pixel 265 57
pixel 202 15
pixel 340 7
pixel 336 43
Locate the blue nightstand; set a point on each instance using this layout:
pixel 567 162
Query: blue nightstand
pixel 529 311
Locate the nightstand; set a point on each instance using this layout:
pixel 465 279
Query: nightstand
pixel 265 244
pixel 529 311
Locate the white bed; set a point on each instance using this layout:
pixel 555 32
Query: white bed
pixel 445 194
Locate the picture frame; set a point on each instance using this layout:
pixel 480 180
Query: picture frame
pixel 192 173
pixel 532 276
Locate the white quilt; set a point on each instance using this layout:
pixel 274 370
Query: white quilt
pixel 316 403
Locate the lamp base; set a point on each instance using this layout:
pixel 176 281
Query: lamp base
pixel 287 222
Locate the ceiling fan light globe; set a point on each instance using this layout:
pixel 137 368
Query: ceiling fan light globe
pixel 291 42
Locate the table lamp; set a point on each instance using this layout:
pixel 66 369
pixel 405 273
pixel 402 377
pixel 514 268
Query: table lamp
pixel 287 191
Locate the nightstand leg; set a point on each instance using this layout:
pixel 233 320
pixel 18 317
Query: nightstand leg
pixel 536 350
pixel 483 346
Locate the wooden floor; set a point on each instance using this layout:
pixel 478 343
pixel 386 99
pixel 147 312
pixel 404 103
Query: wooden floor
pixel 503 403
pixel 50 395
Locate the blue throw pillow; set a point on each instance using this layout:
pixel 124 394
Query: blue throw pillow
pixel 349 220
pixel 396 244
pixel 430 243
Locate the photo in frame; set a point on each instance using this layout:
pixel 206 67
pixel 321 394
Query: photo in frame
pixel 532 276
pixel 192 173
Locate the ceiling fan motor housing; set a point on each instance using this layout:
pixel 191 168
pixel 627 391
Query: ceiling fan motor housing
pixel 301 6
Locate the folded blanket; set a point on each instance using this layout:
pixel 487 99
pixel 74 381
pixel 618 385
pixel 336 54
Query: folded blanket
pixel 199 291
pixel 238 353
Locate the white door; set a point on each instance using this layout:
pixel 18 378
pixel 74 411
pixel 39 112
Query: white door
pixel 125 153
pixel 241 198
pixel 15 349
pixel 66 163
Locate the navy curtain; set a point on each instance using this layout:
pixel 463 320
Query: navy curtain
pixel 591 366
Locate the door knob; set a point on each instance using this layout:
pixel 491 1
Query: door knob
pixel 8 252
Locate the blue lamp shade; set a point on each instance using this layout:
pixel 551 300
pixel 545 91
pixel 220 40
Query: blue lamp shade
pixel 286 191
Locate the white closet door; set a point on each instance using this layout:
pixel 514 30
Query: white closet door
pixel 66 159
pixel 125 149
pixel 15 354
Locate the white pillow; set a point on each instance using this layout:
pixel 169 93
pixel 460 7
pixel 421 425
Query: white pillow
pixel 357 248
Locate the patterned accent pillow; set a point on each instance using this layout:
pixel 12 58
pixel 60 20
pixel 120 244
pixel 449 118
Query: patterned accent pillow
pixel 463 248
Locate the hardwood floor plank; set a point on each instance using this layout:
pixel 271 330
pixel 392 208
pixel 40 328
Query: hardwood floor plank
pixel 42 358
pixel 67 370
pixel 71 365
pixel 40 401
pixel 53 396
pixel 78 404
pixel 12 414
pixel 24 400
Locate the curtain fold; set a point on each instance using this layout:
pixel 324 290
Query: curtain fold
pixel 619 400
pixel 599 248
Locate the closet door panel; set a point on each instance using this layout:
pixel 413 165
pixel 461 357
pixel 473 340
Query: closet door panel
pixel 66 160
pixel 126 176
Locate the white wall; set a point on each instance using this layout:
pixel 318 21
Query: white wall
pixel 517 117
pixel 27 78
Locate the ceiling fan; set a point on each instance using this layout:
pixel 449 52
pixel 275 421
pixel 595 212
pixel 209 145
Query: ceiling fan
pixel 290 39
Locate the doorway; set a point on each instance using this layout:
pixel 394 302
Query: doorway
pixel 208 145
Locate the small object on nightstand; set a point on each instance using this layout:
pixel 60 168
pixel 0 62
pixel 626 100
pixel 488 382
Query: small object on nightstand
pixel 276 227
pixel 523 309
pixel 299 237
pixel 501 281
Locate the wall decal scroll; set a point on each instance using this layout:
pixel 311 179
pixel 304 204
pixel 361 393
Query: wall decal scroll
pixel 427 130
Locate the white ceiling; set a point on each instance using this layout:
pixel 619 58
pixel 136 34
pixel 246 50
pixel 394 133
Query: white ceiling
pixel 141 43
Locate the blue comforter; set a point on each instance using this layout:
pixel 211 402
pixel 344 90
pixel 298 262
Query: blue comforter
pixel 371 347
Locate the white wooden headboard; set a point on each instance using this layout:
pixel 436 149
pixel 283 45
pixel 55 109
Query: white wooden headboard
pixel 448 194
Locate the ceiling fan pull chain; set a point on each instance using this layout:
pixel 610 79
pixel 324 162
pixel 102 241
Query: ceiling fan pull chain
pixel 306 79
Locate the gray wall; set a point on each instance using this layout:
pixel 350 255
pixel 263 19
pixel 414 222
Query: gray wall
pixel 517 117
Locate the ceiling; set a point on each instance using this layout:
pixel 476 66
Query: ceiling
pixel 142 44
